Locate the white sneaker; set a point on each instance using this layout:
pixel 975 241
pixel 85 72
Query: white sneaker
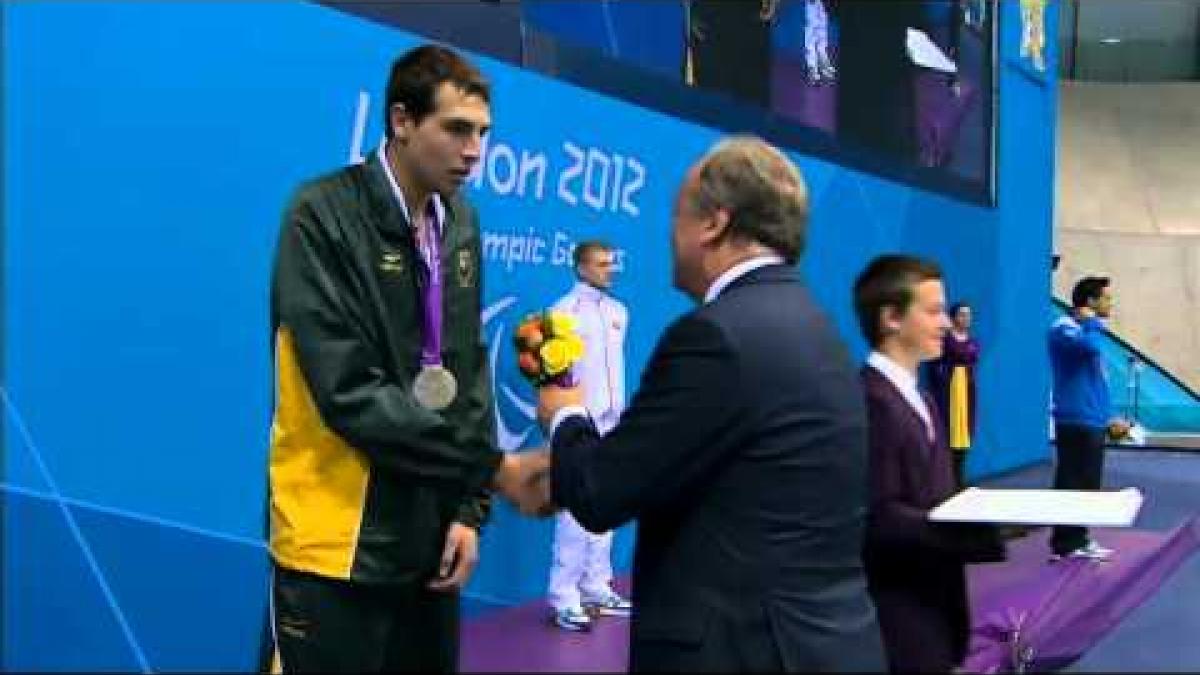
pixel 574 619
pixel 1089 551
pixel 1097 551
pixel 610 605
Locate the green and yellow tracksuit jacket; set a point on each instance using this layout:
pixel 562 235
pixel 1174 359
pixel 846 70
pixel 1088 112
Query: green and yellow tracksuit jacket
pixel 364 482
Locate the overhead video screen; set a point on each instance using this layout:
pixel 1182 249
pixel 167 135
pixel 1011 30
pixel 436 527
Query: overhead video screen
pixel 904 89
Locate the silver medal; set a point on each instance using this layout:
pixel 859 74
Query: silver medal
pixel 435 387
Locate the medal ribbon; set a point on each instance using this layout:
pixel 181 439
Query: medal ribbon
pixel 431 291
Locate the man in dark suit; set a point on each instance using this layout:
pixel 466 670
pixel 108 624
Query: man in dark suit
pixel 743 452
pixel 885 102
pixel 915 567
pixel 875 107
pixel 730 47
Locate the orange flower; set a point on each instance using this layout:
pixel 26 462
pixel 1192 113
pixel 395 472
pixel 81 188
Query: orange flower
pixel 530 335
pixel 528 364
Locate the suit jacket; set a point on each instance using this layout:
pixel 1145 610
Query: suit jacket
pixel 743 455
pixel 915 567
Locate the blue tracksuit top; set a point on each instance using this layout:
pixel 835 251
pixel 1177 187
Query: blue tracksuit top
pixel 1080 384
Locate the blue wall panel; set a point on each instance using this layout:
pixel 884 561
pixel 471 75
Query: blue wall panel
pixel 194 600
pixel 56 615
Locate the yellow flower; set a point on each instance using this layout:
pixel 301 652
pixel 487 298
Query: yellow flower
pixel 562 324
pixel 556 355
pixel 575 343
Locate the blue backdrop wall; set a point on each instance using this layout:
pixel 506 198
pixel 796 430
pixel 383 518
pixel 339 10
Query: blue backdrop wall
pixel 149 149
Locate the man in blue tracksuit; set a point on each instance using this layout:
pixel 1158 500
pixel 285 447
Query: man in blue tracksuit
pixel 1082 408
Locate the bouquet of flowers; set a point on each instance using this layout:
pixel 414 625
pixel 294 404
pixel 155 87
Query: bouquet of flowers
pixel 1126 432
pixel 1118 431
pixel 548 344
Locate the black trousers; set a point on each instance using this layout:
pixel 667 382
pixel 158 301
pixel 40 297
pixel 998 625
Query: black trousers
pixel 960 467
pixel 1080 466
pixel 732 53
pixel 334 626
pixel 876 98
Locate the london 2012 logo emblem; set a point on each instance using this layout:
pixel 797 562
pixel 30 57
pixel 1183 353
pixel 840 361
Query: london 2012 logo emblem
pixel 516 417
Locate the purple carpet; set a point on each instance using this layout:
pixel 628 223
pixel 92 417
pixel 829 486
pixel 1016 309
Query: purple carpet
pixel 795 98
pixel 1045 614
pixel 522 640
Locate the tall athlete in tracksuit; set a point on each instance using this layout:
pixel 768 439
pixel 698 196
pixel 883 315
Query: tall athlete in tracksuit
pixel 581 571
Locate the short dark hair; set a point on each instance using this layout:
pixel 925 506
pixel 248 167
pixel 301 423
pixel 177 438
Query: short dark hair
pixel 957 306
pixel 888 281
pixel 418 73
pixel 583 248
pixel 1087 289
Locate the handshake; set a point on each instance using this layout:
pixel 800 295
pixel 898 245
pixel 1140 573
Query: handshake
pixel 523 478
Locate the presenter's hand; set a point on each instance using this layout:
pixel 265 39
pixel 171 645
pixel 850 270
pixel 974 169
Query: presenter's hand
pixel 459 557
pixel 524 479
pixel 1118 429
pixel 552 398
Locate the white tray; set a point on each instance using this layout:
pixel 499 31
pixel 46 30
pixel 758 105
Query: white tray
pixel 1100 508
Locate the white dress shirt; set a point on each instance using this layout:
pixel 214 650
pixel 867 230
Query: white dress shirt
pixel 439 211
pixel 906 382
pixel 738 271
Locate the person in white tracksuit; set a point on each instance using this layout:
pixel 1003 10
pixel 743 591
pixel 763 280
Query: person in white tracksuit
pixel 581 569
pixel 816 43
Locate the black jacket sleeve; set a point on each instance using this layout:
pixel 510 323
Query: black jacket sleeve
pixel 481 422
